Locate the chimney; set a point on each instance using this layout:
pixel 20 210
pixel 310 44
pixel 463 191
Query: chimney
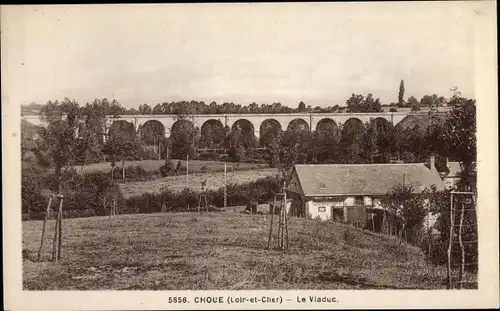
pixel 432 163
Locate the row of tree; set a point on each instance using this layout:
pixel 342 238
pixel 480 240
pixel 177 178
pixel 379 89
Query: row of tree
pixel 355 103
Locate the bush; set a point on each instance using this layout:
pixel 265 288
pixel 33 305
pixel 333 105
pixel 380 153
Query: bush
pixel 179 201
pixel 32 200
pixel 167 169
pixel 131 173
pixel 95 192
pixel 209 156
pixel 90 194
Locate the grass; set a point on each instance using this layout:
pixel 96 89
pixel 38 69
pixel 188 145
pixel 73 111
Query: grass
pixel 154 165
pixel 214 180
pixel 181 251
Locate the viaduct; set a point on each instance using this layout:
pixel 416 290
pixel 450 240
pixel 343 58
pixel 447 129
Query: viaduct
pixel 308 121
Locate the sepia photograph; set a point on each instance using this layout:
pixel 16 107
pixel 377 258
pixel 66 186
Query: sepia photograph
pixel 258 155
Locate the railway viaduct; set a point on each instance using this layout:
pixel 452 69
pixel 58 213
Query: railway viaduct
pixel 308 121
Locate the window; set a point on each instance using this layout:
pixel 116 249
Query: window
pixel 358 200
pixel 321 209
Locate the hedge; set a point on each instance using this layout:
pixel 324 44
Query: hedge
pixel 237 195
pixel 86 195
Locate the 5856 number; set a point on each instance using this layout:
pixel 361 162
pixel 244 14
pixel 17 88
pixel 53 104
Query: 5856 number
pixel 177 299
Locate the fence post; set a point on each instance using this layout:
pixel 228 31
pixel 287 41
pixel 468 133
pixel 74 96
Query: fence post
pixel 47 211
pixel 451 241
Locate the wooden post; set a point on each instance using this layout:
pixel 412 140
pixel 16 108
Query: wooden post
pixel 462 266
pixel 286 224
pixel 373 222
pixel 451 241
pixel 271 226
pixel 279 227
pixel 55 241
pixel 159 150
pixel 225 185
pixel 47 211
pixel 60 214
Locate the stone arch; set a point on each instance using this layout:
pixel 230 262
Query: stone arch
pixel 326 125
pixel 122 127
pixel 152 131
pixel 182 136
pixel 353 126
pixel 411 122
pixel 269 129
pixel 212 134
pixel 181 123
pixel 298 125
pixel 243 132
pixel 381 123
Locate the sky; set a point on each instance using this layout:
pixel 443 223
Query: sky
pixel 263 53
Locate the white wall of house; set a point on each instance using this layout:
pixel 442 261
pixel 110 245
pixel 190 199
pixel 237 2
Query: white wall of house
pixel 323 208
pixel 319 208
pixel 450 182
pixel 429 220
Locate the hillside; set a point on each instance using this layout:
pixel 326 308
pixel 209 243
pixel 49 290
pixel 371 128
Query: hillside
pixel 219 251
pixel 177 183
pixel 154 165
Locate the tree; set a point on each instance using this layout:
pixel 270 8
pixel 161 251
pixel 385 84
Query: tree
pixel 413 103
pixel 28 139
pixel 369 142
pixel 212 135
pixel 408 207
pixel 324 146
pixel 410 140
pixel 58 140
pixel 121 142
pixel 274 148
pixel 184 139
pixel 358 103
pixel 253 108
pixel 302 106
pixel 145 109
pixel 456 138
pixel 118 144
pixel 432 101
pixel 401 101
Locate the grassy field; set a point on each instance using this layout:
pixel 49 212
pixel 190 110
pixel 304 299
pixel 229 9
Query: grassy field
pixel 219 251
pixel 154 165
pixel 177 183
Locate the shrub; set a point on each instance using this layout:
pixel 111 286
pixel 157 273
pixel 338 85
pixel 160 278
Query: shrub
pixel 32 200
pixel 85 195
pixel 179 201
pixel 208 156
pixel 204 169
pixel 167 169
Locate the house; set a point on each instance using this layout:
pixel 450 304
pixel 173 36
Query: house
pixel 348 192
pixel 451 174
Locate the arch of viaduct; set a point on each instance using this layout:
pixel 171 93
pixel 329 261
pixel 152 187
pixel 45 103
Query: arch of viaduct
pixel 228 120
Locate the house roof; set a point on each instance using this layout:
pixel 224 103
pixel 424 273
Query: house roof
pixel 364 179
